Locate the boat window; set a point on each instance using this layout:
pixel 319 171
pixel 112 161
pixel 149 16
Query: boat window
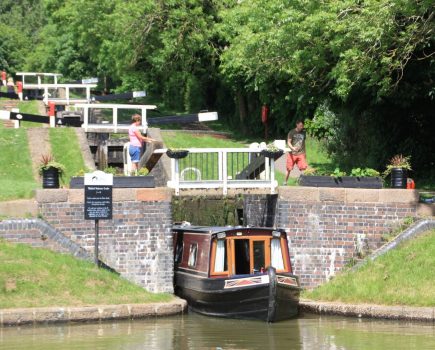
pixel 259 258
pixel 192 254
pixel 277 260
pixel 242 258
pixel 179 252
pixel 220 264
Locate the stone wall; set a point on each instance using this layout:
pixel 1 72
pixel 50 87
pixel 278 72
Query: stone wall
pixel 137 242
pixel 328 227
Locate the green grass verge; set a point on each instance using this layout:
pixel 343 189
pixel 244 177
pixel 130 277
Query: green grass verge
pixel 66 150
pixel 403 276
pixel 16 178
pixel 35 277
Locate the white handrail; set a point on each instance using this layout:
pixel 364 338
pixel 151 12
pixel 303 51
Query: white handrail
pixel 223 179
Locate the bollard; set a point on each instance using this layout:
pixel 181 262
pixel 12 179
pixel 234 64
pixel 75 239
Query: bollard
pixel 52 114
pixel 20 90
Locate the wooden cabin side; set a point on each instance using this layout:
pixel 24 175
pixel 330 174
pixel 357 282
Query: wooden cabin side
pixel 192 252
pixel 229 252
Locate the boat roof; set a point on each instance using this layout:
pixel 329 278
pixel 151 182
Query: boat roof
pixel 217 229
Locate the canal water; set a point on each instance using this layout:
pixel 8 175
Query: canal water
pixel 190 332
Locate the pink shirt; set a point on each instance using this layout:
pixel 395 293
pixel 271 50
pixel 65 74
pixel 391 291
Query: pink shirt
pixel 134 141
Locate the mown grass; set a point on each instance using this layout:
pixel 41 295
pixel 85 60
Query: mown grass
pixel 66 150
pixel 35 277
pixel 403 276
pixel 16 177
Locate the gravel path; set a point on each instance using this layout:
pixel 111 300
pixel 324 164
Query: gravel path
pixel 39 144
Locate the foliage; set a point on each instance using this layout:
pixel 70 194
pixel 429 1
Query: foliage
pixel 143 171
pixel 361 172
pixel 398 161
pixel 111 170
pixel 47 161
pixel 359 72
pixel 337 173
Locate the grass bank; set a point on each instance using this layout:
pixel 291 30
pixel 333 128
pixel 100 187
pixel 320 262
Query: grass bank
pixel 34 277
pixel 66 150
pixel 403 276
pixel 16 177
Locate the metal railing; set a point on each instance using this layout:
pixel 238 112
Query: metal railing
pixel 222 168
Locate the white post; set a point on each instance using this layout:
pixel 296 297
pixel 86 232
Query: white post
pixel 266 168
pixel 55 79
pixel 177 177
pixel 272 176
pixel 85 117
pixel 39 80
pixel 45 95
pixel 67 95
pixel 224 172
pixel 220 168
pixel 24 81
pixel 88 93
pixel 144 120
pixel 115 120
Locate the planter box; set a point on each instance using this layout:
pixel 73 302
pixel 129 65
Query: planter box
pixel 345 181
pixel 120 182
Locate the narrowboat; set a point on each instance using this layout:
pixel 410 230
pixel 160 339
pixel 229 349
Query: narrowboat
pixel 235 272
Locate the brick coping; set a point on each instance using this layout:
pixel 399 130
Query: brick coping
pixel 20 316
pixel 406 313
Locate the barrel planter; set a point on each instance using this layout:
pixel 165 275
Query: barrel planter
pixel 177 154
pixel 341 182
pixel 272 154
pixel 120 182
pixel 399 177
pixel 50 178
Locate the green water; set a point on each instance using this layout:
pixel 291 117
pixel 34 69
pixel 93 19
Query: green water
pixel 190 332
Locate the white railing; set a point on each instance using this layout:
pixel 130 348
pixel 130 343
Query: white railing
pixel 113 124
pixel 221 168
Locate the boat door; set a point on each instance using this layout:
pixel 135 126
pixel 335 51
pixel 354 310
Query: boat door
pixel 249 255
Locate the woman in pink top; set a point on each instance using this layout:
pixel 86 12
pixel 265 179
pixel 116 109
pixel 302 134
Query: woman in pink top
pixel 136 139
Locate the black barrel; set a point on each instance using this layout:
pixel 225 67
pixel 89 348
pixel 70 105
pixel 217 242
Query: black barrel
pixel 399 178
pixel 50 178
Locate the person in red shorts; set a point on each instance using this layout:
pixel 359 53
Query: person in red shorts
pixel 296 142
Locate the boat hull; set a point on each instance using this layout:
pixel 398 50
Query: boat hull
pixel 269 297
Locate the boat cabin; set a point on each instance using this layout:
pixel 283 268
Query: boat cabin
pixel 222 252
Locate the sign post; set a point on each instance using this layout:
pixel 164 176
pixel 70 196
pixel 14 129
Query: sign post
pixel 98 201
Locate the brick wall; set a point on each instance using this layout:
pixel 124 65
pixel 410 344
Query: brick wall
pixel 137 242
pixel 328 227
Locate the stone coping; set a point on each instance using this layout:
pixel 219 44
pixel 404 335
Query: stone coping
pixel 348 195
pixel 16 317
pixel 160 194
pixel 408 313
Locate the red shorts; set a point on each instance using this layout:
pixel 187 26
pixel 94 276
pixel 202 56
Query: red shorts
pixel 299 160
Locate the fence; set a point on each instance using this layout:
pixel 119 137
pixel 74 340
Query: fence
pixel 222 168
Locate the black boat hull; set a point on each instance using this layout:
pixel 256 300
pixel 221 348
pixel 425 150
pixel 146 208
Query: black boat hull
pixel 269 297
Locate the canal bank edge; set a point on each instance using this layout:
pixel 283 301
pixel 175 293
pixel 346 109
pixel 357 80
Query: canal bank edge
pixel 20 316
pixel 406 313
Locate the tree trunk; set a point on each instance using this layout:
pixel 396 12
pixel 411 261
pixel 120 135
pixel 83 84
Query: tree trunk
pixel 243 112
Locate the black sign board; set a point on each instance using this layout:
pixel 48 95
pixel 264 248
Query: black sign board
pixel 98 202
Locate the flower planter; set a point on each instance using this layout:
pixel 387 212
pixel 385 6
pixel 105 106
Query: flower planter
pixel 120 182
pixel 50 178
pixel 177 154
pixel 344 182
pixel 272 154
pixel 399 177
